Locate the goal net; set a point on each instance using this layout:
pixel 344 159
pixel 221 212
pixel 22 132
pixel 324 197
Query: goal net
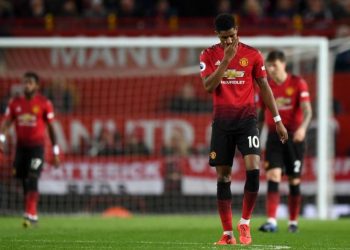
pixel 133 122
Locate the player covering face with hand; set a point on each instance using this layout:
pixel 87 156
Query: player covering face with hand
pixel 30 113
pixel 228 71
pixel 293 102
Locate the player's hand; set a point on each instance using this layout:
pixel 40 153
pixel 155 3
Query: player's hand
pixel 299 135
pixel 282 132
pixel 231 50
pixel 56 161
pixel 2 146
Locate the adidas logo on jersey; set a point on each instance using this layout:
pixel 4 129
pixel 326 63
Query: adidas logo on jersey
pixel 217 63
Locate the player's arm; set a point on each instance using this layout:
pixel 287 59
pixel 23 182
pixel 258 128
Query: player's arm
pixel 49 117
pixel 300 133
pixel 261 118
pixel 5 125
pixel 269 101
pixel 260 112
pixel 213 80
pixel 55 148
pixel 52 133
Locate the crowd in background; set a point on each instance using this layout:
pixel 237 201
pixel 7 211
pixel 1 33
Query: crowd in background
pixel 330 16
pixel 251 9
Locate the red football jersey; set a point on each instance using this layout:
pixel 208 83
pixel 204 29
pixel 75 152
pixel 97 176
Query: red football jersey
pixel 289 96
pixel 30 117
pixel 233 99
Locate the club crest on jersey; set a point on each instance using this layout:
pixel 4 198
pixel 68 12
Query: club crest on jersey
pixel 289 91
pixel 36 109
pixel 212 155
pixel 202 66
pixel 243 62
pixel 232 73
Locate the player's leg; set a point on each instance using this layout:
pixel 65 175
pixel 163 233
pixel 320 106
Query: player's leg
pixel 20 171
pixel 273 165
pixel 221 156
pixel 224 203
pixel 31 197
pixel 294 204
pixel 249 145
pixel 30 183
pixel 273 178
pixel 250 194
pixel 294 163
pixel 251 186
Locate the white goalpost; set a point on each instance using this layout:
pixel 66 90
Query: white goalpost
pixel 319 46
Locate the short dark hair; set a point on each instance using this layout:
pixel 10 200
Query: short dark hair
pixel 276 55
pixel 224 22
pixel 33 75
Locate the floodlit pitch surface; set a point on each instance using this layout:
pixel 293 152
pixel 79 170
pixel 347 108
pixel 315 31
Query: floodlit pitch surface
pixel 162 232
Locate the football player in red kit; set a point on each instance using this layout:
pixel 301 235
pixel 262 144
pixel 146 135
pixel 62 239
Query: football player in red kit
pixel 293 103
pixel 30 113
pixel 228 70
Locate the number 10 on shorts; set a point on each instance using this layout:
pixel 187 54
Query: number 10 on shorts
pixel 253 141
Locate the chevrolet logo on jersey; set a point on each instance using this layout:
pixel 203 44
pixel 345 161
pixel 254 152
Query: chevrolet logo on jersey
pixel 283 103
pixel 232 73
pixel 27 119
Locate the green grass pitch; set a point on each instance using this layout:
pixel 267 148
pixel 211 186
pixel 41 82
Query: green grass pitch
pixel 162 232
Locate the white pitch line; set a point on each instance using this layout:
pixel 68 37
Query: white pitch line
pixel 55 241
pixel 268 247
pixel 171 243
pixel 276 247
pixel 65 247
pixel 205 245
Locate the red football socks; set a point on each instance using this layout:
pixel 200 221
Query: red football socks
pixel 249 200
pixel 272 202
pixel 31 201
pixel 294 202
pixel 225 211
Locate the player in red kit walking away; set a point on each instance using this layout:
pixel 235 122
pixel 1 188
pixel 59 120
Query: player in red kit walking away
pixel 30 113
pixel 293 102
pixel 228 70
